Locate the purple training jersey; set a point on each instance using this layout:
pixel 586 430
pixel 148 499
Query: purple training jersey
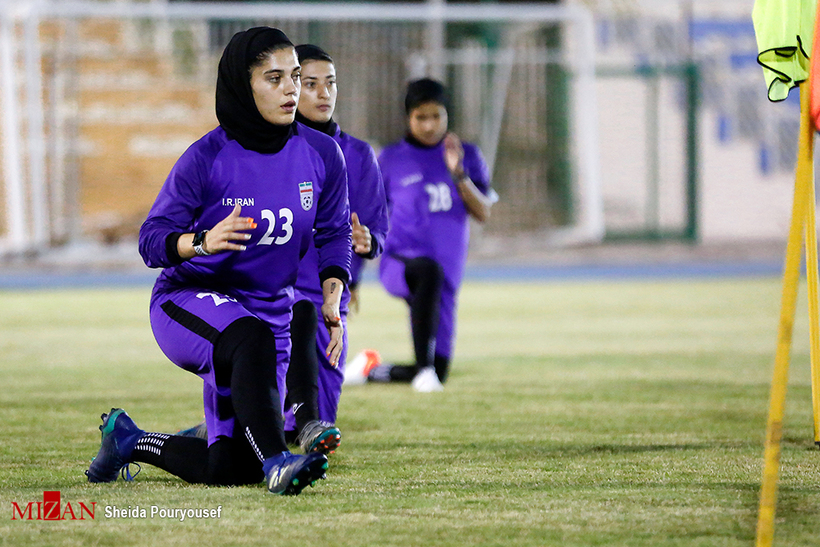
pixel 367 200
pixel 427 216
pixel 297 197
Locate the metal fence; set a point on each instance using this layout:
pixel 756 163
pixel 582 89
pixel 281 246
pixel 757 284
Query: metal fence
pixel 100 98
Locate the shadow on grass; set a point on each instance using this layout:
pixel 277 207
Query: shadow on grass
pixel 555 450
pixel 637 449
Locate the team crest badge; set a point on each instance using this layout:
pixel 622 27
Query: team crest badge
pixel 306 193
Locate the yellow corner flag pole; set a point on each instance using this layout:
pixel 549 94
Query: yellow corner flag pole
pixel 791 279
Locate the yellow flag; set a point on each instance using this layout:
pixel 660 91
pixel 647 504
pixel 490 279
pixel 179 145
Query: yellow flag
pixel 784 30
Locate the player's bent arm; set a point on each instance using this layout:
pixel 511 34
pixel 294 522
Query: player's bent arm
pixel 220 238
pixel 478 205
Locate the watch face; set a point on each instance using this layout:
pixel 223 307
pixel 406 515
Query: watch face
pixel 199 238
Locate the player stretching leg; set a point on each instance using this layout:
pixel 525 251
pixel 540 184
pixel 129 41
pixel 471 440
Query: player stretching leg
pixel 314 383
pixel 433 183
pixel 221 307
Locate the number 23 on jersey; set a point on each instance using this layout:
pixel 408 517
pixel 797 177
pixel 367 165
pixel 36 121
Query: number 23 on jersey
pixel 285 228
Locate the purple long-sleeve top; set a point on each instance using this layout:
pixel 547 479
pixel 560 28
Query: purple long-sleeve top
pixel 367 200
pixel 427 215
pixel 297 197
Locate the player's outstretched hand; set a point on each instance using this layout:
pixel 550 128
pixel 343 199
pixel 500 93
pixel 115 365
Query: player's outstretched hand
pixel 361 236
pixel 454 155
pixel 333 323
pixel 229 230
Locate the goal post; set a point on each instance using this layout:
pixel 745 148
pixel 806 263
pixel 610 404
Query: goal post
pixel 106 94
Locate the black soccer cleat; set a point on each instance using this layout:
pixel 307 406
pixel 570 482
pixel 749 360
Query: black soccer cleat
pixel 119 437
pixel 318 436
pixel 296 472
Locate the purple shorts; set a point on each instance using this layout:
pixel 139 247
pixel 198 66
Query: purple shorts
pixel 186 324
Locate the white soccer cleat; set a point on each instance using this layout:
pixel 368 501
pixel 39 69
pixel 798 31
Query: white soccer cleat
pixel 357 369
pixel 426 381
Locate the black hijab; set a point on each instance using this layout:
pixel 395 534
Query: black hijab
pixel 235 108
pixel 309 52
pixel 328 128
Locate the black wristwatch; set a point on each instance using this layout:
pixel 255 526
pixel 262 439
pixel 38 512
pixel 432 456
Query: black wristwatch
pixel 199 240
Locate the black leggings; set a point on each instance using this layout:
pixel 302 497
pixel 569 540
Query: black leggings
pixel 425 278
pixel 245 360
pixel 303 370
pixel 227 462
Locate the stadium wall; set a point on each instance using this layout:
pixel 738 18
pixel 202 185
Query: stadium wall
pixel 125 87
pixel 135 94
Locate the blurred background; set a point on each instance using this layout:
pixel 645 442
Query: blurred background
pixel 615 129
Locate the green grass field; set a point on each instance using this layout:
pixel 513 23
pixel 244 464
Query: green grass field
pixel 577 414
